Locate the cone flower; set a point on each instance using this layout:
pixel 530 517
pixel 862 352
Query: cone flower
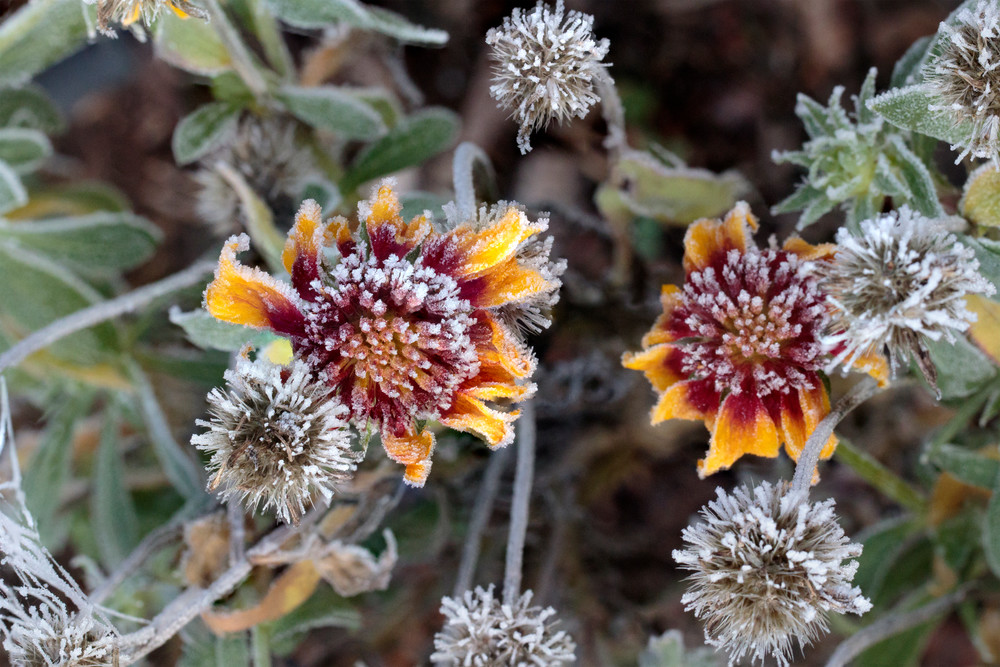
pixel 410 324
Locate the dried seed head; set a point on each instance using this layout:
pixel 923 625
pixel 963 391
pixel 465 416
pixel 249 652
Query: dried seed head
pixel 277 437
pixel 904 279
pixel 545 63
pixel 966 76
pixel 481 631
pixel 767 571
pixel 264 151
pixel 51 639
pixel 128 12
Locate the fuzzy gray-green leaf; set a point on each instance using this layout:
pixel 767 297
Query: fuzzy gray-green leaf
pixel 23 149
pixel 203 130
pixel 333 109
pixel 12 192
pixel 909 108
pixel 29 107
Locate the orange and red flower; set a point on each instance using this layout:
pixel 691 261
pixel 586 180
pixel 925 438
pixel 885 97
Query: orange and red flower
pixel 740 345
pixel 409 324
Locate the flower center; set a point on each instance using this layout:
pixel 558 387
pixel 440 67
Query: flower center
pixel 753 324
pixel 392 329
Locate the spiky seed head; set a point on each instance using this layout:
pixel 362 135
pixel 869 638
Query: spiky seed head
pixel 966 76
pixel 545 63
pixel 766 570
pixel 277 438
pixel 903 280
pixel 48 639
pixel 481 631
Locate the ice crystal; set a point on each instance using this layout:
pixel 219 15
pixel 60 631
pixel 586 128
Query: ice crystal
pixel 480 630
pixel 904 279
pixel 856 161
pixel 128 12
pixel 276 437
pixel 767 571
pixel 966 77
pixel 265 152
pixel 545 63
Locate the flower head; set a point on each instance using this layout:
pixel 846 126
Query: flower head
pixel 903 280
pixel 50 638
pixel 739 345
pixel 408 324
pixel 277 437
pixel 767 571
pixel 966 77
pixel 128 12
pixel 481 631
pixel 546 60
pixel 265 152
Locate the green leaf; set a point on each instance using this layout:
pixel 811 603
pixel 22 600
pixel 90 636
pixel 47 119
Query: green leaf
pixel 229 87
pixel 962 367
pixel 209 333
pixel 413 140
pixel 70 200
pixel 952 541
pixel 415 202
pixel 12 192
pixel 204 130
pixel 113 516
pixel 909 108
pixel 883 546
pixel 333 109
pixel 30 107
pixel 191 45
pixel 991 529
pixel 988 254
pixel 900 650
pixel 967 465
pixel 676 196
pixel 980 201
pixel 49 467
pixel 907 69
pixel 37 35
pixel 23 149
pixel 38 291
pixel 322 13
pixel 103 241
pixel 923 194
pixel 203 649
pixel 323 609
pixel 667 650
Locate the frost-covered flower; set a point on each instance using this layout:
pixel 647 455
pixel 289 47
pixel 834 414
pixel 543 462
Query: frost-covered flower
pixel 49 638
pixel 409 324
pixel 903 280
pixel 277 438
pixel 545 63
pixel 739 345
pixel 128 12
pixel 855 161
pixel 481 631
pixel 767 571
pixel 265 152
pixel 966 76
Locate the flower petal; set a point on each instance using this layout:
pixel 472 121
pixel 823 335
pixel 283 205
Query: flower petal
pixel 658 363
pixel 508 352
pixel 473 416
pixel 248 296
pixel 743 427
pixel 508 282
pixel 807 251
pixel 302 248
pixel 413 450
pixel 388 234
pixel 680 401
pixel 487 248
pixel 671 296
pixel 708 240
pixel 814 405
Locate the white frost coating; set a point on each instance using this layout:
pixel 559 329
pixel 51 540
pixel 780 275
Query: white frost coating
pixel 277 438
pixel 545 61
pixel 904 279
pixel 481 631
pixel 120 11
pixel 767 572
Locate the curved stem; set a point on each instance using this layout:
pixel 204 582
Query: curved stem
pixel 480 517
pixel 519 506
pixel 88 317
pixel 809 457
pixel 462 170
pixel 242 60
pixel 612 110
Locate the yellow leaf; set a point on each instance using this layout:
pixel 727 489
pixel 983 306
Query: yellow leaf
pixel 981 201
pixel 288 591
pixel 985 331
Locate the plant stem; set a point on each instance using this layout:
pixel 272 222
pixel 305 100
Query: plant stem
pixel 519 506
pixel 809 457
pixel 882 478
pixel 480 517
pixel 891 625
pixel 612 110
pixel 259 218
pixel 242 60
pixel 100 312
pixel 462 171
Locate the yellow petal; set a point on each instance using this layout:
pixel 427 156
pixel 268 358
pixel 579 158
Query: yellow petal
pixel 293 587
pixel 743 427
pixel 675 403
pixel 706 238
pixel 413 450
pixel 302 239
pixel 495 244
pixel 473 416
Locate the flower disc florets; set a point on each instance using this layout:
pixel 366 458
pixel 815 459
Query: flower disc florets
pixel 545 66
pixel 481 631
pixel 904 279
pixel 277 437
pixel 767 571
pixel 966 76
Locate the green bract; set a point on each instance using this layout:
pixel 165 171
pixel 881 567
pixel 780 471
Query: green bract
pixel 855 161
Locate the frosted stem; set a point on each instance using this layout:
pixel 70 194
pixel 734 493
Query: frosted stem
pixel 242 60
pixel 519 506
pixel 101 312
pixel 809 457
pixel 480 517
pixel 462 170
pixel 612 111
